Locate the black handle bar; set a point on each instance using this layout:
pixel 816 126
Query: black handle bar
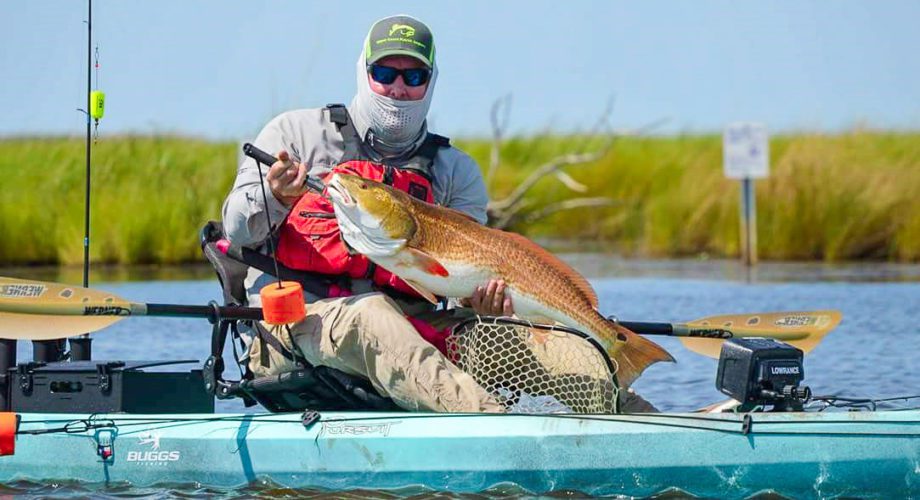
pixel 260 156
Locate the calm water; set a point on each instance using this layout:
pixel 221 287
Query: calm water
pixel 872 353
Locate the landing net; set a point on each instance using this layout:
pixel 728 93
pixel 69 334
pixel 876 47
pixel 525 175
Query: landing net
pixel 532 368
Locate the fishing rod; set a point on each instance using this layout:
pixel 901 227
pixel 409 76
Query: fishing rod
pixel 37 310
pixel 260 156
pixel 81 347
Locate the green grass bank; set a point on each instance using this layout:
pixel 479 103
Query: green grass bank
pixel 829 197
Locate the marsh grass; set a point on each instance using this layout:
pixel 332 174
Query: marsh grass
pixel 149 198
pixel 839 197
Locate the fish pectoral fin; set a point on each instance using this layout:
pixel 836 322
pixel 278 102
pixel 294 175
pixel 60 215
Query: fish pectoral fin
pixel 540 335
pixel 427 263
pixel 421 290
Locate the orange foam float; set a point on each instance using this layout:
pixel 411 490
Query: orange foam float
pixel 283 303
pixel 9 424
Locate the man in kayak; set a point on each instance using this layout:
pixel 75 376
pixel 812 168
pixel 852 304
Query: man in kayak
pixel 381 135
pixel 389 338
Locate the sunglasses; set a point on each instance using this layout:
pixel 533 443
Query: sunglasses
pixel 413 77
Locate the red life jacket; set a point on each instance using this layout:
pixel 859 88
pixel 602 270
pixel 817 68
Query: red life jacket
pixel 310 239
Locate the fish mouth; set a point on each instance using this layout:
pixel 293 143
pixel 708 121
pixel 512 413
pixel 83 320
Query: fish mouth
pixel 338 193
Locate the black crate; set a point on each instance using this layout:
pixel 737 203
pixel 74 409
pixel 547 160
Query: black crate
pixel 106 387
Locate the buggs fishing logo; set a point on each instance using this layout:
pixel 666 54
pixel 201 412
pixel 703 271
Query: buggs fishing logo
pixel 151 438
pixel 154 455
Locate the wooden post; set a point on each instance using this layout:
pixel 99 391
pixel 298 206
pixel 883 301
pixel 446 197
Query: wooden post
pixel 748 222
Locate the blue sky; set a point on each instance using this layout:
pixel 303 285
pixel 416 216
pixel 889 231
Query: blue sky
pixel 221 69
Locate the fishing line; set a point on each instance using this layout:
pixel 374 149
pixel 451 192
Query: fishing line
pixel 271 248
pixel 268 220
pixel 97 101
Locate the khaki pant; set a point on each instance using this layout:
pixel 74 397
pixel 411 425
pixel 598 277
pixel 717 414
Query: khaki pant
pixel 368 336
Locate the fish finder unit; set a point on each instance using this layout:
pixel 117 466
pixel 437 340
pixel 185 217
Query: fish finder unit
pixel 762 372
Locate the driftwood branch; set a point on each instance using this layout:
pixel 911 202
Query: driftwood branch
pixel 570 182
pixel 501 106
pixel 568 205
pixel 547 168
pixel 515 207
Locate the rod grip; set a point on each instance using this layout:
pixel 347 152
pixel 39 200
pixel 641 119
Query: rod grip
pixel 258 155
pixel 267 159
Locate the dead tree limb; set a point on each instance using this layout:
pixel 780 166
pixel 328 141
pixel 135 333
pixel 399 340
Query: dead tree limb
pixel 499 125
pixel 568 205
pixel 515 208
pixel 547 168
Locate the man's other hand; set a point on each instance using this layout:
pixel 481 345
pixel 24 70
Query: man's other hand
pixel 490 300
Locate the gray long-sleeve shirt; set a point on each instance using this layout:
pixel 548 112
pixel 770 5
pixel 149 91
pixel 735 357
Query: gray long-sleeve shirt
pixel 310 137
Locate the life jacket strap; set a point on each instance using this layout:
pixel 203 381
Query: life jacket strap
pixel 338 114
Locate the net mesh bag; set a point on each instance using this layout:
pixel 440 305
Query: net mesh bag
pixel 534 368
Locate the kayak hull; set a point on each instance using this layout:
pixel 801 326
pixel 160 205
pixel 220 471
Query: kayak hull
pixel 794 454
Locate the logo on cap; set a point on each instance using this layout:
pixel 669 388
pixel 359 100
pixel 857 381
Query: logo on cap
pixel 404 30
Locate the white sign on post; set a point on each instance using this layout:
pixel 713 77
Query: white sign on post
pixel 746 151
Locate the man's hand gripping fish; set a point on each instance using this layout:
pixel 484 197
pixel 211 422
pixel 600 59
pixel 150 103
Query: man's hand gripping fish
pixel 440 251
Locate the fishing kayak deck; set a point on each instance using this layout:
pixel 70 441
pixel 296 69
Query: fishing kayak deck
pixel 798 454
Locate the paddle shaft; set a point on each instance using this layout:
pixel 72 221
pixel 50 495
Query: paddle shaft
pixel 255 313
pixel 677 330
pixel 210 312
pixel 36 310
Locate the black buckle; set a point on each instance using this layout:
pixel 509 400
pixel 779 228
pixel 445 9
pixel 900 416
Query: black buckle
pixel 309 418
pixel 212 366
pixel 24 371
pixel 104 374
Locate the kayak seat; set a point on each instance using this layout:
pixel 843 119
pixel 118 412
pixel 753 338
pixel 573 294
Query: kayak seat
pixel 314 388
pixel 230 273
pixel 307 388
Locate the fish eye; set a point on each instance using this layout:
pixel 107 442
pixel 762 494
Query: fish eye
pixel 363 185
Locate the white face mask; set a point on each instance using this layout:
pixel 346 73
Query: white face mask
pixel 394 125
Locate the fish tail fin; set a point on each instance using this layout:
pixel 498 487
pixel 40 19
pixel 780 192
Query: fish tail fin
pixel 634 354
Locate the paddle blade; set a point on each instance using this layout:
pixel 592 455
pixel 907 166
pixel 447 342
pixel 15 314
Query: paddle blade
pixel 801 329
pixel 43 327
pixel 38 310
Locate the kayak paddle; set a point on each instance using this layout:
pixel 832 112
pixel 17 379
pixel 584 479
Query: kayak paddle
pixel 38 310
pixel 704 336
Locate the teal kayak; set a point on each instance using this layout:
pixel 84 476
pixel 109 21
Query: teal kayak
pixel 821 454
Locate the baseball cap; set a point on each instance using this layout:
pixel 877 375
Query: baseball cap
pixel 400 35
